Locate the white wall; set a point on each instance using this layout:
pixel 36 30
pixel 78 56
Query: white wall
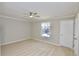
pixel 66 33
pixel 15 30
pixel 76 36
pixel 54 31
pixel 0 32
pixel 0 37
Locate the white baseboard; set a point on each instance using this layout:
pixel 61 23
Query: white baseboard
pixel 6 43
pixel 56 44
pixel 48 42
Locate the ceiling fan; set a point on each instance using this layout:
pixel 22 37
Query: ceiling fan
pixel 32 14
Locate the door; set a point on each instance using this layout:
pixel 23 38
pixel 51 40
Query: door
pixel 76 35
pixel 66 33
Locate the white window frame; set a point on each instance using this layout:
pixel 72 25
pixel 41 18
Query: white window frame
pixel 43 34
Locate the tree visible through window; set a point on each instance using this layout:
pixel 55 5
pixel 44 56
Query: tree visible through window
pixel 45 29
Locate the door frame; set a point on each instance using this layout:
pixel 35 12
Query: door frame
pixel 72 33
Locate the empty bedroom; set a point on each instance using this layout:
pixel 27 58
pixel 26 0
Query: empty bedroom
pixel 39 28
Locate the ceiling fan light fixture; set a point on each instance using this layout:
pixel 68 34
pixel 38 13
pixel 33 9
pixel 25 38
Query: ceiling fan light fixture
pixel 31 16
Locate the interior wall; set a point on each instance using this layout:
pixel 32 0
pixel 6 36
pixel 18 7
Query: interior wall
pixel 0 37
pixel 66 33
pixel 1 7
pixel 54 31
pixel 0 31
pixel 15 30
pixel 78 34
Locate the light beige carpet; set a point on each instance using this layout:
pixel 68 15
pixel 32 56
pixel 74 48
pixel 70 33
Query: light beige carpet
pixel 35 48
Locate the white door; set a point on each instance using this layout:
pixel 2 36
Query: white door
pixel 66 33
pixel 76 36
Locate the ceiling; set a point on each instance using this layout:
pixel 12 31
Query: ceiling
pixel 45 9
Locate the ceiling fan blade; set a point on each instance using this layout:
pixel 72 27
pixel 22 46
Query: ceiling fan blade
pixel 35 13
pixel 37 16
pixel 31 13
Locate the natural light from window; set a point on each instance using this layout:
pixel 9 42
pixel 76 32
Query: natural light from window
pixel 45 29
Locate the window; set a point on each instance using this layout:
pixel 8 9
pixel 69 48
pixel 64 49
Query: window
pixel 45 29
